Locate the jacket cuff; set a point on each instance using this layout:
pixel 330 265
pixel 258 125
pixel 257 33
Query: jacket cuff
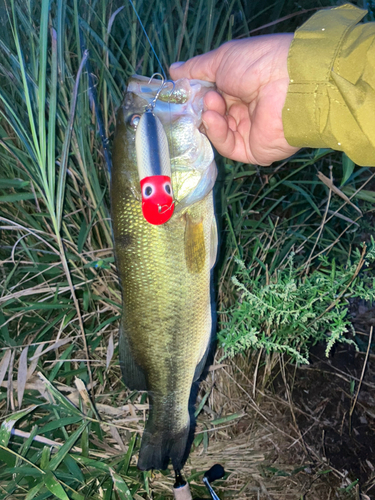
pixel 313 100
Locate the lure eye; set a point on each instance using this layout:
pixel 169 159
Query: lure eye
pixel 147 190
pixel 134 120
pixel 167 188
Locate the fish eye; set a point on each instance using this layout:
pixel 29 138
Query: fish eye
pixel 167 188
pixel 147 191
pixel 134 120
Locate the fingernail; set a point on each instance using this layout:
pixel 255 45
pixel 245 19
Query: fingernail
pixel 205 124
pixel 177 64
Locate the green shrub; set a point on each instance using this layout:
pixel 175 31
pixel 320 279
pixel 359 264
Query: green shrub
pixel 289 311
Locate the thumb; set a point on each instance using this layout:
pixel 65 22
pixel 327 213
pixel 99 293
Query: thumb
pixel 202 67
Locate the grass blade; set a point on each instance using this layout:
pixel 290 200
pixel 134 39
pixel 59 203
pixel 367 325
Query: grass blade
pixel 22 375
pixel 347 168
pixel 9 422
pixel 34 491
pixel 52 114
pixel 43 42
pixel 63 451
pixel 54 486
pixel 56 395
pixel 121 487
pixel 65 150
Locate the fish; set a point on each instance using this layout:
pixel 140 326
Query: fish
pixel 165 269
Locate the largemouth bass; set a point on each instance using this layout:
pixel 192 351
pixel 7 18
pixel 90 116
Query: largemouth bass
pixel 165 269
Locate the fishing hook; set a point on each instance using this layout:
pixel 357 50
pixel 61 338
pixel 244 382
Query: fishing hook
pixel 164 82
pixel 160 208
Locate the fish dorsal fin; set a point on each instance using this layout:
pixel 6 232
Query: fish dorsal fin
pixel 132 373
pixel 195 249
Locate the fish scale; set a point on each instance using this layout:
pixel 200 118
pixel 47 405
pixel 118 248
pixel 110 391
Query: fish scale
pixel 167 319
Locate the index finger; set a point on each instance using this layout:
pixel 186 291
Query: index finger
pixel 202 67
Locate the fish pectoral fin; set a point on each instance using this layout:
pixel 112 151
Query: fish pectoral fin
pixel 132 373
pixel 201 190
pixel 214 241
pixel 195 250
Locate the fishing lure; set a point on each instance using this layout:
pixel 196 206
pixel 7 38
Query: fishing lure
pixel 154 166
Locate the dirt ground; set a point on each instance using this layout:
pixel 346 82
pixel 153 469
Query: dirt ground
pixel 335 404
pixel 335 420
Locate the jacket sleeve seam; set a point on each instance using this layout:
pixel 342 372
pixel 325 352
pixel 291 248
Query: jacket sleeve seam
pixel 350 26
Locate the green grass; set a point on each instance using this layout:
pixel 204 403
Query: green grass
pixel 60 299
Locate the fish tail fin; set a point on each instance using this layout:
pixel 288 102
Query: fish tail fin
pixel 161 445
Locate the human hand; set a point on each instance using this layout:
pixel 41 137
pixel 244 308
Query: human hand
pixel 243 119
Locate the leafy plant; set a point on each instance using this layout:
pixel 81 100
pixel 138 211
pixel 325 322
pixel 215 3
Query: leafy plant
pixel 289 310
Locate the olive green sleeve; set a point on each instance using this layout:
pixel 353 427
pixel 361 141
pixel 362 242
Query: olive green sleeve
pixel 331 94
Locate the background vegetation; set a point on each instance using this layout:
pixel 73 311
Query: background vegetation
pixel 292 243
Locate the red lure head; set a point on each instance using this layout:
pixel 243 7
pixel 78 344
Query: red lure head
pixel 157 199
